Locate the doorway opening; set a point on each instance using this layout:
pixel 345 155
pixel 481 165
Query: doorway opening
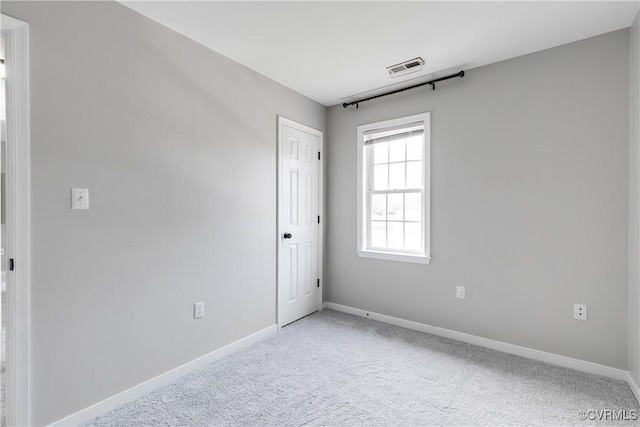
pixel 3 234
pixel 16 220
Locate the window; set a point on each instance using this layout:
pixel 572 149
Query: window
pixel 393 189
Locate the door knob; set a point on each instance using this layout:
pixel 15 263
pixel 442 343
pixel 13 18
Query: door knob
pixel 287 235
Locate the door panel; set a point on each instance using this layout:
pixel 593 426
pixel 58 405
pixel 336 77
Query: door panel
pixel 293 197
pixel 299 201
pixel 293 273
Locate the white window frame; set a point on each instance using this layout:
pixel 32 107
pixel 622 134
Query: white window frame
pixel 424 256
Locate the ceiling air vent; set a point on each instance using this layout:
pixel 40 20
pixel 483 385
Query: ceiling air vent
pixel 406 67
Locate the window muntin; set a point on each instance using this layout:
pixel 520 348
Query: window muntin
pixel 393 189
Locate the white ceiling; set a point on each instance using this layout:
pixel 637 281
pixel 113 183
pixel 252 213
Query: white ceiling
pixel 332 51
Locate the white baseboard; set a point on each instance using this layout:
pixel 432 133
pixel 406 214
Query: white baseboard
pixel 134 392
pixel 555 359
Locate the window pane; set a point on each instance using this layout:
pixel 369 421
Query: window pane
pixel 396 207
pixel 413 207
pixel 414 174
pixel 379 207
pixel 381 177
pixel 380 152
pixel 396 176
pixel 378 234
pixel 394 171
pixel 396 151
pixel 413 236
pixel 414 148
pixel 396 236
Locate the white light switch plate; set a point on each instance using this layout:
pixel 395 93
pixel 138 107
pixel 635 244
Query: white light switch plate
pixel 79 198
pixel 198 310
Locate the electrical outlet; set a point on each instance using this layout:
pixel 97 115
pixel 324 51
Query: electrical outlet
pixel 198 310
pixel 580 311
pixel 460 292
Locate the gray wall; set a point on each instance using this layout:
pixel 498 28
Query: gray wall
pixel 529 203
pixel 634 199
pixel 177 146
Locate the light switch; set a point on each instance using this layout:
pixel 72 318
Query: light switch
pixel 79 198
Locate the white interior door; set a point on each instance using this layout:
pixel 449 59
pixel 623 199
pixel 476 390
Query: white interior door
pixel 299 172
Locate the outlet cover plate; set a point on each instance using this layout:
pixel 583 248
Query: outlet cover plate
pixel 460 292
pixel 580 311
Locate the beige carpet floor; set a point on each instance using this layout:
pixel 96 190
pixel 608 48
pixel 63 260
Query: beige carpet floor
pixel 340 370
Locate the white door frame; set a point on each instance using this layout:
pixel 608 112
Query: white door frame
pixel 16 37
pixel 288 122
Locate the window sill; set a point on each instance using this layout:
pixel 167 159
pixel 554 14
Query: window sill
pixel 416 259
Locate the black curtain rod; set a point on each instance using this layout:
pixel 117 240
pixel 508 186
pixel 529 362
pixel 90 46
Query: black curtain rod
pixel 431 82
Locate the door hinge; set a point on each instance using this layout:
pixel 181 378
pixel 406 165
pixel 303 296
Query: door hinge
pixel 11 264
pixel 318 219
pixel 318 282
pixel 318 155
